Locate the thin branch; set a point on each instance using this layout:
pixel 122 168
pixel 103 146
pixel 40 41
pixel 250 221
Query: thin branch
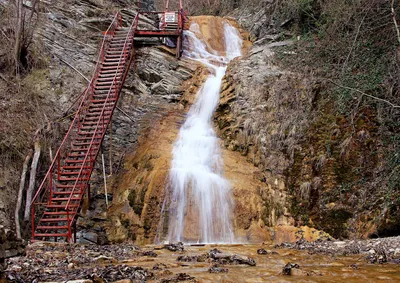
pixel 366 94
pixel 354 42
pixel 74 39
pixel 5 35
pixel 395 22
pixel 75 69
pixel 3 78
pixel 126 114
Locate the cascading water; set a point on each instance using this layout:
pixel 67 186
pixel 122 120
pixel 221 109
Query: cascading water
pixel 200 205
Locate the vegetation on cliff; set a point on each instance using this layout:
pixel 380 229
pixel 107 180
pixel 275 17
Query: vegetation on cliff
pixel 340 130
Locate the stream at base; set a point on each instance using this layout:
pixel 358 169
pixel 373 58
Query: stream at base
pixel 60 262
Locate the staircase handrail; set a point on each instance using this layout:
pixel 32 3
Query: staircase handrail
pixel 89 151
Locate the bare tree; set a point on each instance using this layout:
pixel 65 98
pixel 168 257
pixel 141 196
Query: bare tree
pixel 24 28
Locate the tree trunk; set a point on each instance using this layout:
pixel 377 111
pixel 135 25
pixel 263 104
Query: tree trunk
pixel 18 35
pixel 20 193
pixel 32 178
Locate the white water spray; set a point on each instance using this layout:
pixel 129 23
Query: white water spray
pixel 200 204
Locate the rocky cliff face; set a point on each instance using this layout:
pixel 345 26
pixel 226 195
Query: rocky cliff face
pixel 68 37
pixel 292 157
pixel 284 116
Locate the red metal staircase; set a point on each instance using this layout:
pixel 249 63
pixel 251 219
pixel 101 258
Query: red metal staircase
pixel 60 195
pixel 58 200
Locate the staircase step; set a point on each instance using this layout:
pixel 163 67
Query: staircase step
pixel 90 134
pixel 46 235
pixel 78 161
pixel 113 64
pixel 85 147
pixel 117 59
pixel 89 138
pixel 116 52
pixel 89 127
pixel 99 108
pixel 63 186
pixel 73 179
pixel 61 205
pixel 66 199
pixel 51 227
pixel 109 100
pixel 107 83
pixel 81 154
pixel 93 127
pixel 94 118
pixel 121 36
pixel 71 213
pixel 75 167
pixel 104 93
pixel 105 87
pixel 119 44
pixel 112 68
pixel 115 55
pixel 107 72
pixel 65 193
pixel 108 78
pixel 87 142
pixel 115 49
pixel 95 112
pixel 61 219
pixel 84 172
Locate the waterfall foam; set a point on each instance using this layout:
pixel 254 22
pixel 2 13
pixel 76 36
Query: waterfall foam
pixel 200 204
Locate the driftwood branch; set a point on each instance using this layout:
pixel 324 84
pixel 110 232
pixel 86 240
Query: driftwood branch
pixel 365 94
pixel 20 193
pixel 75 69
pixel 395 22
pixel 32 177
pixel 126 114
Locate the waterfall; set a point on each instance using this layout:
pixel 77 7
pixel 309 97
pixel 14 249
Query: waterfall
pixel 200 204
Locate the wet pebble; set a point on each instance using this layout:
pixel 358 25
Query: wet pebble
pixel 287 269
pixel 262 252
pixel 159 266
pixel 217 269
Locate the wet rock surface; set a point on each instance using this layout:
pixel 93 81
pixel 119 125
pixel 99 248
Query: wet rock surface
pixel 222 258
pixel 218 258
pixel 174 247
